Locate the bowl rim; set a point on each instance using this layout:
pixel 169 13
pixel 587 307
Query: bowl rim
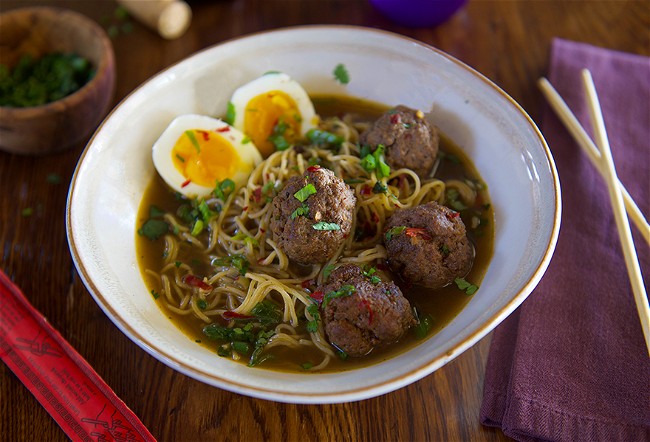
pixel 352 394
pixel 106 63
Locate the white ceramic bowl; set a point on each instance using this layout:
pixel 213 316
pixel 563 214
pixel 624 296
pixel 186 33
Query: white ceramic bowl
pixel 503 142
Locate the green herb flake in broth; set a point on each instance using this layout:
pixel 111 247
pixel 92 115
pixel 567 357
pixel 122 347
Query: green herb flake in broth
pixel 153 229
pixel 267 312
pixel 238 262
pixel 465 286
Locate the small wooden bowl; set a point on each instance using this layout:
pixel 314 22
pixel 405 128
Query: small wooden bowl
pixel 63 123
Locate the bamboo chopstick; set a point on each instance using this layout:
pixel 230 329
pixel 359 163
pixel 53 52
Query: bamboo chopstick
pixel 622 223
pixel 588 146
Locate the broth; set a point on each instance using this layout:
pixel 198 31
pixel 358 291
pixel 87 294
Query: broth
pixel 441 305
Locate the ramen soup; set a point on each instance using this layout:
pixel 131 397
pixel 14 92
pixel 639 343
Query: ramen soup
pixel 222 265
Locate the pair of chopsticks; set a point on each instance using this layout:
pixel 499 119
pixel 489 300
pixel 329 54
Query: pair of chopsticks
pixel 601 157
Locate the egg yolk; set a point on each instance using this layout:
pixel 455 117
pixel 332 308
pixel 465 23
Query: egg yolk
pixel 203 157
pixel 272 119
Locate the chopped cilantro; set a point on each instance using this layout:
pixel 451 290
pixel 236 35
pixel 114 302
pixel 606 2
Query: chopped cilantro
pixel 155 294
pixel 267 312
pixel 305 192
pixel 155 212
pixel 324 139
pixel 153 229
pixel 27 211
pixel 341 74
pixel 300 211
pixel 307 365
pixel 223 189
pixel 202 304
pixel 277 136
pixel 423 327
pixel 237 261
pixel 312 326
pixel 325 226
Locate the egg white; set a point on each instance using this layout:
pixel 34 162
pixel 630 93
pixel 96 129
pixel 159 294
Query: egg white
pixel 249 156
pixel 274 81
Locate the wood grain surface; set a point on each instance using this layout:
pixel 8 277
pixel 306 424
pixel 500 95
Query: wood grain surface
pixel 507 41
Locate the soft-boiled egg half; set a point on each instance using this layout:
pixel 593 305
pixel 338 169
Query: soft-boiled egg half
pixel 274 110
pixel 196 151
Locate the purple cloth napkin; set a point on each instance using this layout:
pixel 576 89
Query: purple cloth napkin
pixel 571 364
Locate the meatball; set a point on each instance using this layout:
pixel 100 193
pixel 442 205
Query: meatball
pixel 312 215
pixel 428 245
pixel 372 314
pixel 408 138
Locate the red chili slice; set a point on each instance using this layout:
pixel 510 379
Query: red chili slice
pixel 366 304
pixel 206 134
pixel 195 281
pixel 365 190
pixel 229 314
pixel 223 129
pixel 186 183
pixel 257 194
pixel 306 283
pixel 317 296
pixel 313 168
pixel 395 119
pixel 417 231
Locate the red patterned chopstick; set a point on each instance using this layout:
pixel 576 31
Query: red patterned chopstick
pixel 65 384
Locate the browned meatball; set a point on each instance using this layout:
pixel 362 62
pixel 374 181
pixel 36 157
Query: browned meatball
pixel 310 227
pixel 428 245
pixel 408 138
pixel 368 313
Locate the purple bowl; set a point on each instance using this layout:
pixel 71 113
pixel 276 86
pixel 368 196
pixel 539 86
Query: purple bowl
pixel 418 13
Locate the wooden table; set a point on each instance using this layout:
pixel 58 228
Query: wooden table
pixel 508 41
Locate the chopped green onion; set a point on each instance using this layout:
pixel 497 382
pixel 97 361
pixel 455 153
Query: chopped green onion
pixel 197 227
pixel 466 286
